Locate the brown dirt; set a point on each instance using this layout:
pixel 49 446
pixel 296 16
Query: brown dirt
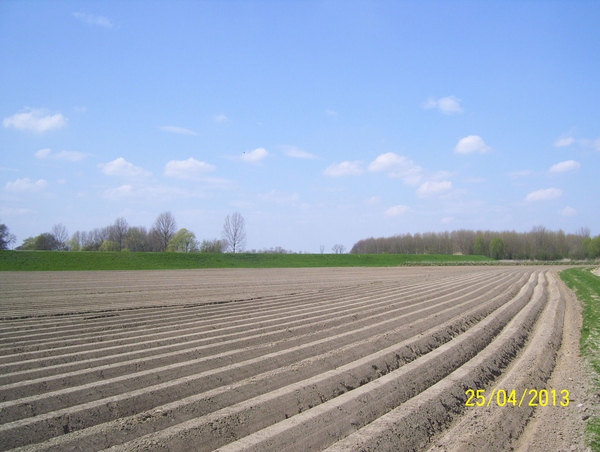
pixel 270 359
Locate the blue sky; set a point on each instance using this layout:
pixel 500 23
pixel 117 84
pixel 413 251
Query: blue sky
pixel 320 122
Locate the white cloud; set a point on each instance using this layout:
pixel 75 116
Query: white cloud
pixel 14 211
pixel 597 145
pixel 255 155
pixel 279 197
pixel 62 181
pixel 35 120
pixel 180 130
pixel 396 211
pixel 72 156
pixel 447 220
pixel 521 173
pixel 221 118
pixel 331 113
pixel 447 105
pixel 567 141
pixel 431 188
pixel 121 167
pixel 293 151
pixel 561 167
pixel 374 200
pixel 151 193
pixel 23 185
pixel 547 194
pixel 43 153
pixel 398 166
pixel 470 144
pixel 187 169
pixel 344 169
pixel 120 192
pixel 567 212
pixel 94 20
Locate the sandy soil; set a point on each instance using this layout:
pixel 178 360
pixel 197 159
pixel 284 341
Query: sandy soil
pixel 285 359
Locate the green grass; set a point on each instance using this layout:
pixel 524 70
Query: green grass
pixel 587 287
pixel 65 260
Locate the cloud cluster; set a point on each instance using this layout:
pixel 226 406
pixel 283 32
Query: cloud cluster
pixel 180 130
pixel 562 167
pixel 567 212
pixel 280 197
pixel 187 169
pixel 584 143
pixel 471 144
pixel 448 105
pixel 547 194
pixel 346 168
pixel 35 120
pixel 122 168
pixel 293 151
pixel 71 156
pixel 94 20
pixel 396 211
pixel 433 188
pixel 398 166
pixel 26 185
pixel 255 155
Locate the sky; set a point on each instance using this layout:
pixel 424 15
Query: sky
pixel 321 122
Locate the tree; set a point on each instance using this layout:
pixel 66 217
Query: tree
pixel 497 248
pixel 234 233
pixel 322 249
pixel 479 247
pixel 76 241
pixel 163 230
pixel 6 238
pixel 211 246
pixel 338 249
pixel 46 242
pixel 137 239
pixel 61 235
pixel 109 245
pixel 183 241
pixel 119 232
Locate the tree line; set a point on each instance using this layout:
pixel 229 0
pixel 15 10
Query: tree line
pixel 539 244
pixel 162 236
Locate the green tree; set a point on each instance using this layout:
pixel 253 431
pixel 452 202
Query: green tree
pixel 211 246
pixel 479 247
pixel 183 241
pixel 46 241
pixel 497 248
pixel 109 245
pixel 594 247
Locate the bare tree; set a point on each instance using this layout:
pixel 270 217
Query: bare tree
pixel 338 249
pixel 234 233
pixel 322 249
pixel 163 230
pixel 6 238
pixel 61 235
pixel 119 232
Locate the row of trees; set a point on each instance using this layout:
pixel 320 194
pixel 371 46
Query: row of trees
pixel 162 236
pixel 539 243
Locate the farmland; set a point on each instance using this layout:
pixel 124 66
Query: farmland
pixel 332 359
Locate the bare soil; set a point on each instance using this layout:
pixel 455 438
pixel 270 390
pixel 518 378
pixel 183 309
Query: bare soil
pixel 286 359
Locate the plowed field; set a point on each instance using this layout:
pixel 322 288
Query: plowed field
pixel 271 359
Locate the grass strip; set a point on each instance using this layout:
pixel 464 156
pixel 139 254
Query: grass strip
pixel 82 260
pixel 586 286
